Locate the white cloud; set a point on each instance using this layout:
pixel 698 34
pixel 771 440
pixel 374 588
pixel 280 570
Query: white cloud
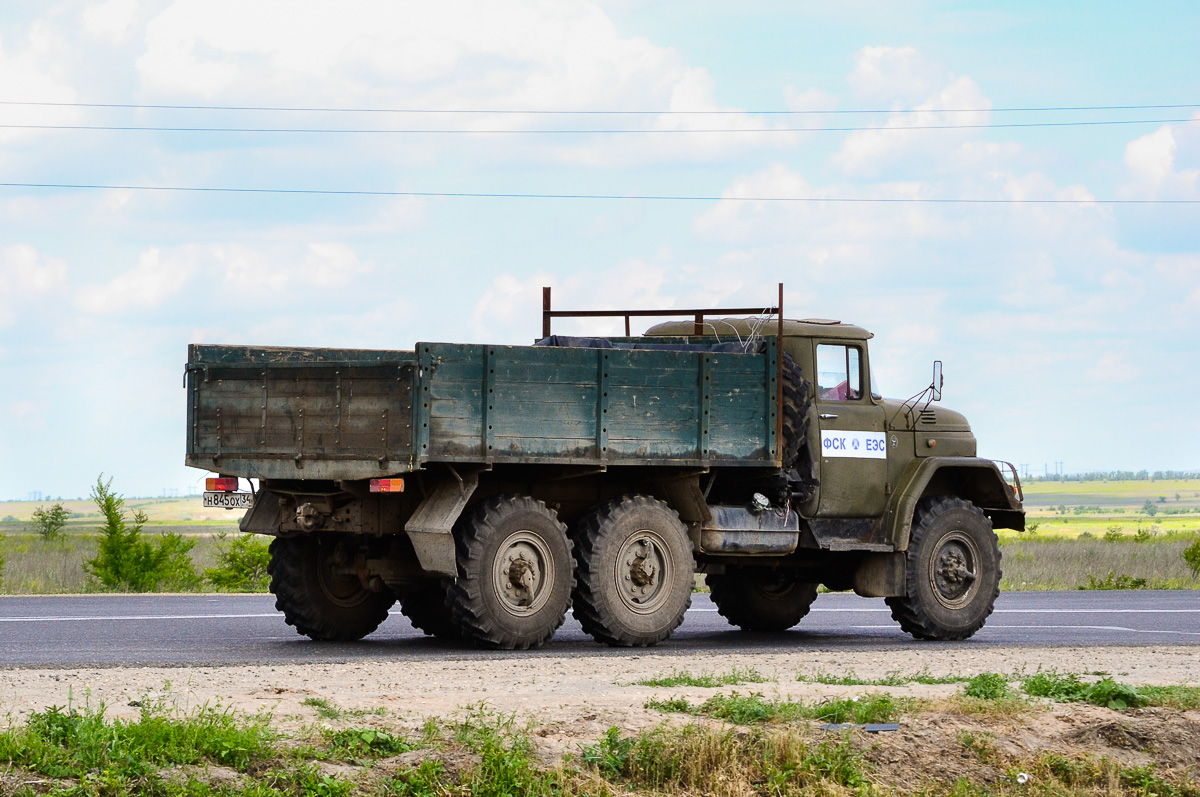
pixel 34 72
pixel 1150 162
pixel 110 20
pixel 535 54
pixel 812 99
pixel 893 74
pixel 147 285
pixel 323 265
pixel 25 275
pixel 868 152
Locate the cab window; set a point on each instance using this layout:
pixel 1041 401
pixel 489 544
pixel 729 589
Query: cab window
pixel 839 373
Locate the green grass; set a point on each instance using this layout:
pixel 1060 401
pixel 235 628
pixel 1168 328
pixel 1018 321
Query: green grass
pixel 73 752
pixel 1072 688
pixel 708 680
pixel 83 744
pixel 754 708
pixel 891 678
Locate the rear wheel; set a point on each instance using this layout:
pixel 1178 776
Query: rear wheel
pixel 515 574
pixel 634 577
pixel 426 609
pixel 319 593
pixel 952 576
pixel 761 599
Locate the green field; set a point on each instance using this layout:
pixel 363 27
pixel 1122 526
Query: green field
pixel 1073 509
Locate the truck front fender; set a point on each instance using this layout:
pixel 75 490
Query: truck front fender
pixel 971 478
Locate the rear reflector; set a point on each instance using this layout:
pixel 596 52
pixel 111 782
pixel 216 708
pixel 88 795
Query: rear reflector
pixel 224 484
pixel 387 485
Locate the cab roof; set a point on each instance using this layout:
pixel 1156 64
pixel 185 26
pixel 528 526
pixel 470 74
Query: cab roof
pixel 805 327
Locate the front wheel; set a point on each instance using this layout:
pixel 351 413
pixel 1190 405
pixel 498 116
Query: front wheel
pixel 318 591
pixel 952 576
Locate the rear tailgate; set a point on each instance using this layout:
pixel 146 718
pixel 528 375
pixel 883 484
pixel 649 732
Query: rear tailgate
pixel 287 413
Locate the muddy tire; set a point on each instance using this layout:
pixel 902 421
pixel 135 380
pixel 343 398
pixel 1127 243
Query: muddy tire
pixel 316 598
pixel 952 574
pixel 426 609
pixel 760 598
pixel 634 573
pixel 515 574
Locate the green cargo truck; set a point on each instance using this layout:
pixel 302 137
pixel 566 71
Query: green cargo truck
pixel 490 488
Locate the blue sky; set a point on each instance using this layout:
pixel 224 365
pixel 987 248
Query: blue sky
pixel 1068 331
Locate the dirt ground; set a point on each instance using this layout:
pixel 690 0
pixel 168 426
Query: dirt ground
pixel 571 701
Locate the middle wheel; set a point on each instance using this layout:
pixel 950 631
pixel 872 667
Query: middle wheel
pixel 634 574
pixel 514 573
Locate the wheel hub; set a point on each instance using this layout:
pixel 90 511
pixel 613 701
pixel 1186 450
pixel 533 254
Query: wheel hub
pixel 523 573
pixel 954 570
pixel 643 572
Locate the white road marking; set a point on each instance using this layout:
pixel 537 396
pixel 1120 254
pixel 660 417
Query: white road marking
pixel 1026 611
pixel 87 618
pixel 1073 627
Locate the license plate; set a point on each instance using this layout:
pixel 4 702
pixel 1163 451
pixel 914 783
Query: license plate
pixel 229 500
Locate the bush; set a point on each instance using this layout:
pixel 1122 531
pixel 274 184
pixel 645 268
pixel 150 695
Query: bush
pixel 241 565
pixel 128 562
pixel 1191 555
pixel 50 522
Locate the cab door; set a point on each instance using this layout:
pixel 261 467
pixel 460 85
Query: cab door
pixel 853 440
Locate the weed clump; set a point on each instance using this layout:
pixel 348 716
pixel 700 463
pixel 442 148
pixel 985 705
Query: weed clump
pixel 988 686
pixel 1071 688
pixel 1114 581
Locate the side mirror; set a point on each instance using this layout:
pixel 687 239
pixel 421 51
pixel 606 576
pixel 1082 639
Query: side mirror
pixel 936 385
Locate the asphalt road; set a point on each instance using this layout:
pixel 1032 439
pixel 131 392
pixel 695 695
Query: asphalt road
pixel 179 630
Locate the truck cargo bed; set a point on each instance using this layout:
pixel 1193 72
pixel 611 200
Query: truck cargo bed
pixel 286 413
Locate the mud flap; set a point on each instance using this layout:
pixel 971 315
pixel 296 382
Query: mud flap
pixel 431 527
pixel 880 575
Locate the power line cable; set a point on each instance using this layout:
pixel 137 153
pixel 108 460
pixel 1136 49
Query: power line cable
pixel 614 131
pixel 641 197
pixel 544 112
